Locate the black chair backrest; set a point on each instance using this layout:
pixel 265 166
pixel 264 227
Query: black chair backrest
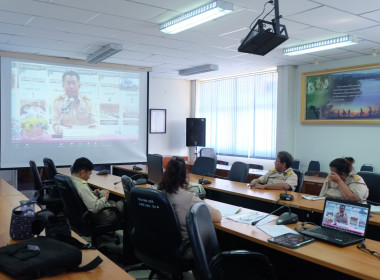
pixel 156 233
pixel 73 206
pixel 366 167
pixel 314 165
pixel 256 166
pixel 239 172
pixel 50 168
pixel 204 166
pixel 299 180
pixel 372 181
pixel 36 176
pixel 296 165
pixel 207 152
pixel 207 255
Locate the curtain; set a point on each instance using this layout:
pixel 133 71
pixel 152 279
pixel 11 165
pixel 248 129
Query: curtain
pixel 241 114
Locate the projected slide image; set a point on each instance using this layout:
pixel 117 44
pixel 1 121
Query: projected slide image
pixel 51 103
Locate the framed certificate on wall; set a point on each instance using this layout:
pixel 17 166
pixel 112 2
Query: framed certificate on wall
pixel 157 120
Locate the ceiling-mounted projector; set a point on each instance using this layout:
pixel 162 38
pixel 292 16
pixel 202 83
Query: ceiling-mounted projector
pixel 265 35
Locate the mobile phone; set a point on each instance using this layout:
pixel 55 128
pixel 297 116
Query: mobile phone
pixel 100 192
pixel 291 240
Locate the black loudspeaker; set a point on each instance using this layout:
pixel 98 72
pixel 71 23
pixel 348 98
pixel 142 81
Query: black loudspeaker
pixel 195 132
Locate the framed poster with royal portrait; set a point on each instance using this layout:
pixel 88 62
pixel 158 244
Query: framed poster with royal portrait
pixel 341 95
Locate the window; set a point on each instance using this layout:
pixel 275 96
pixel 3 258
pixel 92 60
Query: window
pixel 241 114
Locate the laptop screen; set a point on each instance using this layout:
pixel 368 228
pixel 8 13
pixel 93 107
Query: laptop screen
pixel 345 215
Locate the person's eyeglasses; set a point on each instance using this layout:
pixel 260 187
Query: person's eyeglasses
pixel 365 249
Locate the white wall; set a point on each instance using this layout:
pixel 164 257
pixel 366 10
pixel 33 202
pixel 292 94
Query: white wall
pixel 326 142
pixel 174 96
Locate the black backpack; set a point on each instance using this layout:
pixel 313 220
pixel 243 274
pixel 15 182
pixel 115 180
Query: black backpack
pixel 42 256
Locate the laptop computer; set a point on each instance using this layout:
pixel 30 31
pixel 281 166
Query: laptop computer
pixel 343 222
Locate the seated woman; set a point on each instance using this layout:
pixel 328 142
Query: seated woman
pixel 343 184
pixel 174 183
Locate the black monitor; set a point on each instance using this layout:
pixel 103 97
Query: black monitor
pixel 154 163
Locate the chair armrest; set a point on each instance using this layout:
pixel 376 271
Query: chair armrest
pixel 48 182
pixel 254 263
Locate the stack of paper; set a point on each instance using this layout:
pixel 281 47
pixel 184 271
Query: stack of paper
pixel 375 209
pixel 312 197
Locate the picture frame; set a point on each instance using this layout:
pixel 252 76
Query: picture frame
pixel 157 122
pixel 346 95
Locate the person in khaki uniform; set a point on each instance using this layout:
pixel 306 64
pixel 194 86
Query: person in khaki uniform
pixel 281 177
pixel 94 200
pixel 174 183
pixel 342 184
pixel 71 109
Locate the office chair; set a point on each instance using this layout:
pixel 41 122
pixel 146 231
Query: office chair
pixel 207 152
pixel 204 166
pixel 366 167
pixel 128 254
pixel 239 172
pixel 256 166
pixel 79 216
pixel 372 181
pixel 314 165
pixel 50 169
pixel 299 180
pixel 211 263
pixel 296 165
pixel 156 235
pixel 48 194
pixel 316 174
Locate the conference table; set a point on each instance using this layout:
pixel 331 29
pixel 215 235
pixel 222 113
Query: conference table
pixel 331 261
pixel 311 184
pixel 10 198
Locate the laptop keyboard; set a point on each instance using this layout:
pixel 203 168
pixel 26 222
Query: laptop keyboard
pixel 334 234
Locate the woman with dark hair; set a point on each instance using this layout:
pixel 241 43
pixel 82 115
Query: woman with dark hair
pixel 351 162
pixel 341 183
pixel 174 183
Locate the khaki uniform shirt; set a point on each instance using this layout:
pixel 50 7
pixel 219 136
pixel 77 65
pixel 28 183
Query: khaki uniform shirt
pixel 92 202
pixel 275 177
pixel 82 112
pixel 353 181
pixel 182 202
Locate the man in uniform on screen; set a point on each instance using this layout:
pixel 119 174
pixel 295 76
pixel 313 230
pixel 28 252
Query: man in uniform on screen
pixel 71 109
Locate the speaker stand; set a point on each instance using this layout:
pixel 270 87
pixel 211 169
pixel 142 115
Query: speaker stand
pixel 196 152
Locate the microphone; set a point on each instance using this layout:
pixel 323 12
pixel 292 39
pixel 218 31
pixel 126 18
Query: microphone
pixel 203 181
pixel 286 196
pixel 68 105
pixel 284 219
pixel 262 218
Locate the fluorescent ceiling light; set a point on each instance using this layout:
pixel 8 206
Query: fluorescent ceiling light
pixel 198 69
pixel 103 53
pixel 321 45
pixel 197 16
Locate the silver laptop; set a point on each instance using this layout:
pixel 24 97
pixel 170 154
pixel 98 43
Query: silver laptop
pixel 343 222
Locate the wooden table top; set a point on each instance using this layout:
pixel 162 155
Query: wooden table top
pixel 348 260
pixel 106 270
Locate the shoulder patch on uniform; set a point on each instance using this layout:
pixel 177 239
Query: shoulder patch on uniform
pixel 289 172
pixel 356 177
pixel 83 181
pixel 273 169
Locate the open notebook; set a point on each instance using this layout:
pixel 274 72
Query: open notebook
pixel 343 222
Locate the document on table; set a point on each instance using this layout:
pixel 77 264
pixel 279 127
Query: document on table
pixel 312 197
pixel 275 230
pixel 228 210
pixel 248 218
pixel 375 209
